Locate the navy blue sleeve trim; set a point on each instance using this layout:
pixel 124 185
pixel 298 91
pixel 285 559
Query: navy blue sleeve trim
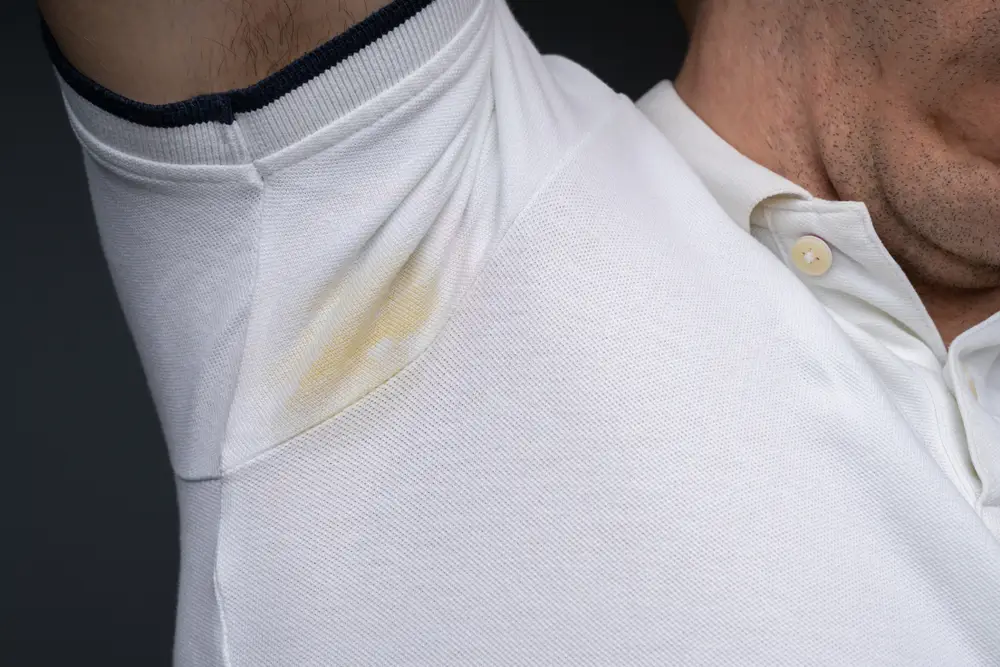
pixel 222 107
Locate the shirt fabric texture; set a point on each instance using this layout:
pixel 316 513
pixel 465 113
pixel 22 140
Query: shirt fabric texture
pixel 462 359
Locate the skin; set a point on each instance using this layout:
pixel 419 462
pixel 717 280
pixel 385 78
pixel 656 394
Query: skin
pixel 160 51
pixel 895 103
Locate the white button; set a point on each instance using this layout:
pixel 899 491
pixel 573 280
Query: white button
pixel 812 256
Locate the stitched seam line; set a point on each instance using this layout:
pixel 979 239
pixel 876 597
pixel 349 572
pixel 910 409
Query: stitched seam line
pixel 216 583
pixel 571 155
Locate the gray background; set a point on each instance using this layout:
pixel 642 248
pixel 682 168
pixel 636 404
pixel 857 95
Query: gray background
pixel 87 487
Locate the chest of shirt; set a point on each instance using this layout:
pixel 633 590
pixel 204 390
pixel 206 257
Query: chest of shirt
pixel 944 395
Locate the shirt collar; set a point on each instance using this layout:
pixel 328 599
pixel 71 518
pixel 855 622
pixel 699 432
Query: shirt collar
pixel 742 185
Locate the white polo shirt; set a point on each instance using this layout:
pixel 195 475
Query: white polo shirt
pixel 460 362
pixel 951 398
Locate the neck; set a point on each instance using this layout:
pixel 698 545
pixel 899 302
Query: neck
pixel 955 310
pixel 755 98
pixel 762 100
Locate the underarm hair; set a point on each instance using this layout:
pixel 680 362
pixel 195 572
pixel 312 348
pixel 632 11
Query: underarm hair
pixel 272 33
pixel 159 51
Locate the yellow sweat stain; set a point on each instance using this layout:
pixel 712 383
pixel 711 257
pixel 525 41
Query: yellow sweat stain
pixel 363 352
